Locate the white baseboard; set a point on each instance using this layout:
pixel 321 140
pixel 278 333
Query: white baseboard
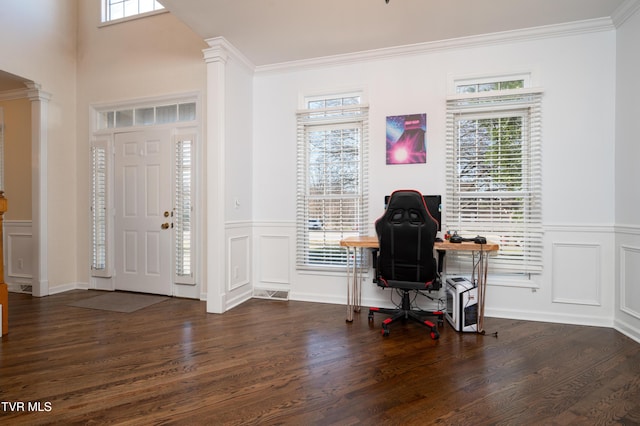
pixel 61 288
pixel 550 317
pixel 627 330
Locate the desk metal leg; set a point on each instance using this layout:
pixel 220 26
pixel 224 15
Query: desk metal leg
pixel 357 283
pixel 483 264
pixel 354 282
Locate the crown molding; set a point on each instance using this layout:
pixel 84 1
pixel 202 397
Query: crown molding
pixel 220 50
pixel 625 11
pixel 11 95
pixel 535 33
pixel 32 91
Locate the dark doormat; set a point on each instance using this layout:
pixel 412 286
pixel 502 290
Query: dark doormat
pixel 119 301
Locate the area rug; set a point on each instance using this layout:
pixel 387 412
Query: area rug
pixel 119 301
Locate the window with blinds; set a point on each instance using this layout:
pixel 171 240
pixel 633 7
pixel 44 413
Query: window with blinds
pixel 99 209
pixel 494 174
pixel 332 179
pixel 183 211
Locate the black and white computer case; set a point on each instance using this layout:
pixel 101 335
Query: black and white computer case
pixel 462 304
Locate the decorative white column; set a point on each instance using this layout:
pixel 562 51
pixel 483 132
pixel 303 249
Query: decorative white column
pixel 39 175
pixel 216 57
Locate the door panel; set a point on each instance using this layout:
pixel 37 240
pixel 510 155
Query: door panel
pixel 143 195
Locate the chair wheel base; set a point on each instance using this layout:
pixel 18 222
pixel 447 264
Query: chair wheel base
pixel 405 315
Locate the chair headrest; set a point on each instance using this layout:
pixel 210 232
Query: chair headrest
pixel 409 200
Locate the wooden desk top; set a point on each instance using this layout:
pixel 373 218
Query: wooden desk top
pixel 370 241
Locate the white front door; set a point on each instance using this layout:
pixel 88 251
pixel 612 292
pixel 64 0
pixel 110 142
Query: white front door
pixel 143 211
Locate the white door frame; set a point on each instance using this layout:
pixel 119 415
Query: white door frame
pixel 106 282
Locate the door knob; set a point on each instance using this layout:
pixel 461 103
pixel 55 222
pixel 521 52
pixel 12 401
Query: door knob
pixel 164 226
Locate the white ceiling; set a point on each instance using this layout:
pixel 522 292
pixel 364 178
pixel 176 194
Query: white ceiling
pixel 275 31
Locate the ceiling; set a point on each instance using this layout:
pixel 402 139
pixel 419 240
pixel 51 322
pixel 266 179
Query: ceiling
pixel 274 31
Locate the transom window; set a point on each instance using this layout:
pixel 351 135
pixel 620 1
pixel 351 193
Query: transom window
pixel 332 174
pixel 494 169
pixel 113 10
pixel 147 115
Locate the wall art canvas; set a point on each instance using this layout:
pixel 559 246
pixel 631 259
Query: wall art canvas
pixel 407 139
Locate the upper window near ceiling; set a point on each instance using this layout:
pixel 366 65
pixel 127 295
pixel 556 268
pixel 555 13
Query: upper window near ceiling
pixel 118 10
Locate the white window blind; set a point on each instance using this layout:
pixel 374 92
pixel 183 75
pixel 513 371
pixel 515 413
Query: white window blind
pixel 332 179
pixel 183 211
pixel 99 219
pixel 494 174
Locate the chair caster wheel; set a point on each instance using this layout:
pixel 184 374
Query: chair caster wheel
pixel 370 317
pixel 435 335
pixel 385 332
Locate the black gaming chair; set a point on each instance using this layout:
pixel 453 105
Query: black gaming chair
pixel 406 233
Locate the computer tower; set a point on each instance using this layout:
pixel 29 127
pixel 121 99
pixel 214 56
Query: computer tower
pixel 462 304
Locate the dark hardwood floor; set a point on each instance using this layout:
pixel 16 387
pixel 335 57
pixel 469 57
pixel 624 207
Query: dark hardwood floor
pixel 274 362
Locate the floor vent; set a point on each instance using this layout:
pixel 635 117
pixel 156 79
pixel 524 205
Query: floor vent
pixel 263 293
pixel 20 288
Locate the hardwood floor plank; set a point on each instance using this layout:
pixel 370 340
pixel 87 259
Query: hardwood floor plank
pixel 274 362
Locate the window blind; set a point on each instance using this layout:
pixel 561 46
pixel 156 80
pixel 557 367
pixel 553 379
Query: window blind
pixel 331 184
pixel 99 259
pixel 183 211
pixel 494 174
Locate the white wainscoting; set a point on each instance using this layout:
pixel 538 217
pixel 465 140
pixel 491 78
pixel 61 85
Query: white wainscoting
pixel 238 286
pixel 18 251
pixel 577 284
pixel 629 278
pixel 239 249
pixel 576 277
pixel 627 318
pixel 274 255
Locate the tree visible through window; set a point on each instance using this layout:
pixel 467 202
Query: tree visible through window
pixel 332 187
pixel 119 9
pixel 494 182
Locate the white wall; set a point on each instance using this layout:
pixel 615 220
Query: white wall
pixel 627 175
pixel 576 70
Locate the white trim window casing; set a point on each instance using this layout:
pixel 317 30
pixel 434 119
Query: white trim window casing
pixel 121 10
pixel 494 172
pixel 332 187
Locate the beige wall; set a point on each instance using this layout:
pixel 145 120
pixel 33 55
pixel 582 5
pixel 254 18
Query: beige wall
pixel 59 45
pixel 17 158
pixel 38 42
